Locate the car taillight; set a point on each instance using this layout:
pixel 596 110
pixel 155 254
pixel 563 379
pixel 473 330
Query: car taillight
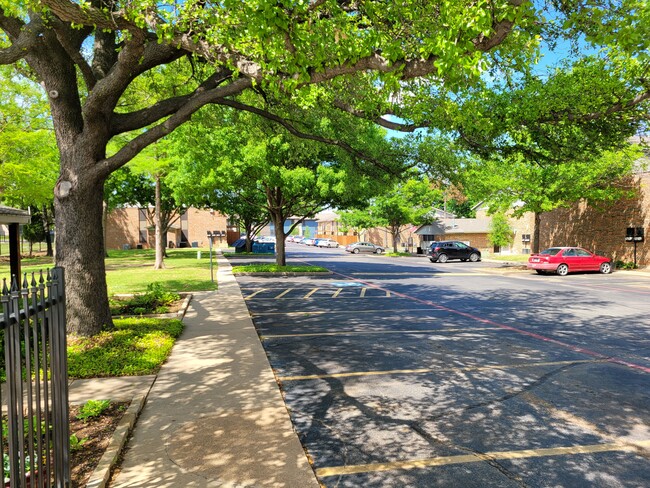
pixel 437 248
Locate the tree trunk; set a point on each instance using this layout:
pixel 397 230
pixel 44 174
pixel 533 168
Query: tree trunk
pixel 104 223
pixel 48 236
pixel 280 251
pixel 536 232
pixel 79 250
pixel 394 231
pixel 160 241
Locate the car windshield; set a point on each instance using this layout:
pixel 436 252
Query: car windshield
pixel 551 251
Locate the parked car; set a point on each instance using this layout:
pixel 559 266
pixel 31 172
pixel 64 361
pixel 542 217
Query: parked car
pixel 309 241
pixel 327 243
pixel 357 247
pixel 443 251
pixel 565 260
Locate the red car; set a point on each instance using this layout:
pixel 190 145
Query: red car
pixel 564 260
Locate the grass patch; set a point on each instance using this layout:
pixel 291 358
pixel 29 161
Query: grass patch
pixel 398 254
pixel 518 258
pixel 132 271
pixel 274 268
pixel 137 346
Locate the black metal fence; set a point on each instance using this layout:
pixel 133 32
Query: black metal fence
pixel 35 437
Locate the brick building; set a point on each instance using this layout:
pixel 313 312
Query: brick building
pixel 129 228
pixel 602 228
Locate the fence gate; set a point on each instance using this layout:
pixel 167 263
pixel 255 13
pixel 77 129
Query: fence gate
pixel 35 424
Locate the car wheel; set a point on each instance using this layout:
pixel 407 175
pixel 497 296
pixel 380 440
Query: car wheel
pixel 442 258
pixel 432 260
pixel 473 257
pixel 562 270
pixel 379 251
pixel 540 271
pixel 606 268
pixel 355 251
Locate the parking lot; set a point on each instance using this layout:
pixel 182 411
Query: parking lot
pixel 399 372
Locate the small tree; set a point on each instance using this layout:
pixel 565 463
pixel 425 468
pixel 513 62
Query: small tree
pixel 501 233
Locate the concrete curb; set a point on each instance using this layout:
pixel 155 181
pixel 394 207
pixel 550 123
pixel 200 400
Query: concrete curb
pixel 285 273
pixel 102 472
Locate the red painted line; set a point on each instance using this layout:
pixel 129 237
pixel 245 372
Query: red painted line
pixel 534 335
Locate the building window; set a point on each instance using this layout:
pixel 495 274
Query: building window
pixel 142 218
pixel 525 237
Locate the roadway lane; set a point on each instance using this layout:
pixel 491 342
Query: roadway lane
pixel 399 372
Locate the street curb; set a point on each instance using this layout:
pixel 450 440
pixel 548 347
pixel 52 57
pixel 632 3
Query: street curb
pixel 285 273
pixel 102 472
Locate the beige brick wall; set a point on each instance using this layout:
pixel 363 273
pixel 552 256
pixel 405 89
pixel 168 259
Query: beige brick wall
pixel 122 227
pixel 601 228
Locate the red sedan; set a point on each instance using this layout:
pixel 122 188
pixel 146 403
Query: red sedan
pixel 564 260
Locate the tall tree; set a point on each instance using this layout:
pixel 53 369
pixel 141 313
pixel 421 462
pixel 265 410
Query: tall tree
pixel 285 175
pixel 409 202
pixel 544 186
pixel 88 54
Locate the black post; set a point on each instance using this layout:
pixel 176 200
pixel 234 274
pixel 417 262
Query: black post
pixel 14 250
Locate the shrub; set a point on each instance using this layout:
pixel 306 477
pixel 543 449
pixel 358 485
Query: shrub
pixel 625 265
pixel 92 408
pixel 155 300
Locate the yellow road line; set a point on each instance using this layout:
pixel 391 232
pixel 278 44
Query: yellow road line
pixel 311 292
pixel 363 292
pixel 369 332
pixel 387 294
pixel 477 458
pixel 336 293
pixel 432 370
pixel 354 312
pixel 253 294
pixel 284 293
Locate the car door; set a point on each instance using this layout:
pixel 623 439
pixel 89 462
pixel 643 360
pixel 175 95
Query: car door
pixel 570 257
pixel 586 260
pixel 452 250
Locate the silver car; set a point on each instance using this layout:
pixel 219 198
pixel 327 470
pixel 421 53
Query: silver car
pixel 358 247
pixel 327 243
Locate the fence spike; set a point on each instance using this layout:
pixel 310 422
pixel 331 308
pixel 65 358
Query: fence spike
pixel 14 283
pixel 41 280
pixel 5 290
pixel 25 282
pixel 49 275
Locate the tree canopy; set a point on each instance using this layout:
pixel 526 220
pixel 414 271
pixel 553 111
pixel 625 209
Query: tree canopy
pixel 424 62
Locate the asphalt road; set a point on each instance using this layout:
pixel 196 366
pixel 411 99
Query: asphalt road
pixel 398 372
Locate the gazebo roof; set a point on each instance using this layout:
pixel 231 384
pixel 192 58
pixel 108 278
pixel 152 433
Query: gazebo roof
pixel 9 215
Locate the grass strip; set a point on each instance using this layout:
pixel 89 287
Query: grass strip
pixel 274 268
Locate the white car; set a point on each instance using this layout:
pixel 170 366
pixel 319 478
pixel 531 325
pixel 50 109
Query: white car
pixel 327 243
pixel 308 241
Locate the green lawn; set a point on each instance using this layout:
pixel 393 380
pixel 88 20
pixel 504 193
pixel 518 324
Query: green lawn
pixel 517 258
pixel 131 271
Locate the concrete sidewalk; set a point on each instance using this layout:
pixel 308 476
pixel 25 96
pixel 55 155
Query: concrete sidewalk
pixel 214 415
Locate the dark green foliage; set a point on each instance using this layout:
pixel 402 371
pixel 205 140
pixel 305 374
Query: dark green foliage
pixel 155 300
pixel 92 408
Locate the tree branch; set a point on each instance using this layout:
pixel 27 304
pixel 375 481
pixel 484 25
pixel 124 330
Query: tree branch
pixel 121 123
pixel 615 108
pixel 24 37
pixel 303 135
pixel 199 99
